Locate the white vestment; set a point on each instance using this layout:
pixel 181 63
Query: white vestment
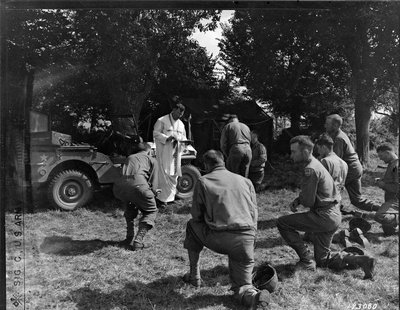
pixel 168 155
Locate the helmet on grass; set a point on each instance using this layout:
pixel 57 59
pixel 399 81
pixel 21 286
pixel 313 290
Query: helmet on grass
pixel 358 222
pixel 265 277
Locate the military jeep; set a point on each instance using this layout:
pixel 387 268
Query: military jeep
pixel 70 172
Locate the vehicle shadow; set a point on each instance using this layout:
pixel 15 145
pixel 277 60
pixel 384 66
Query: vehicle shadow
pixel 66 246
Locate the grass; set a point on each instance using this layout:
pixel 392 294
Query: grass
pixel 70 262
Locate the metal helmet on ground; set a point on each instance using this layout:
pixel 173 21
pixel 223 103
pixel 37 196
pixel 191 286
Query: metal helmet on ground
pixel 353 250
pixel 265 277
pixel 358 222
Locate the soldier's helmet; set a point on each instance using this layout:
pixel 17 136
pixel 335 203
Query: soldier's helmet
pixel 353 250
pixel 265 277
pixel 358 222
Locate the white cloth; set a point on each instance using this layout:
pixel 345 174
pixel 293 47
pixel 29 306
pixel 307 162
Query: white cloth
pixel 168 155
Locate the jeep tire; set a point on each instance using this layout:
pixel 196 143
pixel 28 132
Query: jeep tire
pixel 70 189
pixel 186 183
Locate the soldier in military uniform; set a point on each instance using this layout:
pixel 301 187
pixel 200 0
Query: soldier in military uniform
pixel 336 166
pixel 235 145
pixel 388 213
pixel 258 159
pixel 137 188
pixel 320 194
pixel 224 219
pixel 345 150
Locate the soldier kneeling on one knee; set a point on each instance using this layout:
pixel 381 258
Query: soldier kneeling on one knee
pixel 137 188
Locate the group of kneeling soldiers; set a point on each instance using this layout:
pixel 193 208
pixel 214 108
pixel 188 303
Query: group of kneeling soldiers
pixel 224 208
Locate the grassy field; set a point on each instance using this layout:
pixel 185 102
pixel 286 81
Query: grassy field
pixel 71 263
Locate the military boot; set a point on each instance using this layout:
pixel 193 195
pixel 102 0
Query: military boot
pixel 357 235
pixel 306 261
pixel 193 277
pixel 138 243
pixel 343 238
pixel 131 212
pixel 255 299
pixel 128 240
pixel 195 281
pixel 367 263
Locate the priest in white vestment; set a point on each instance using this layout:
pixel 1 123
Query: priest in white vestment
pixel 169 130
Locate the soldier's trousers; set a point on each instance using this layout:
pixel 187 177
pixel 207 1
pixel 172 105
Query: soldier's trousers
pixel 388 214
pixel 256 177
pixel 238 245
pixel 353 187
pixel 136 197
pixel 239 159
pixel 322 222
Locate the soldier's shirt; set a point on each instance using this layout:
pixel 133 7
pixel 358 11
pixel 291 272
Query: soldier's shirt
pixel 225 201
pixel 258 158
pixel 391 180
pixel 317 186
pixel 337 168
pixel 143 167
pixel 344 149
pixel 234 133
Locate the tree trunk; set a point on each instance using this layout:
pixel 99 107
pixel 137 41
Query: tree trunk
pixel 358 55
pixel 295 113
pixel 295 122
pixel 363 118
pixel 127 102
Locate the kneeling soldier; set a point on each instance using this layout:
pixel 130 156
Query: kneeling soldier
pixel 386 214
pixel 137 189
pixel 321 195
pixel 224 219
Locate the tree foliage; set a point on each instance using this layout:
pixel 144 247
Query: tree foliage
pixel 96 62
pixel 367 35
pixel 310 63
pixel 279 58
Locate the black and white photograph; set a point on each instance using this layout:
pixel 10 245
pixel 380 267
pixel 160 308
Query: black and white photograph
pixel 199 155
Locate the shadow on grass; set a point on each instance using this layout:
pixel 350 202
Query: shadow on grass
pixel 163 293
pixel 266 224
pixel 379 237
pixel 285 271
pixel 184 209
pixel 68 247
pixel 219 275
pixel 269 243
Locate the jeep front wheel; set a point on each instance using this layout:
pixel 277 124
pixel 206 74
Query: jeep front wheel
pixel 186 183
pixel 70 189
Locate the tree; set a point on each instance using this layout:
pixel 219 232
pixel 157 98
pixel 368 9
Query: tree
pixel 280 60
pixel 134 50
pixel 80 65
pixel 367 35
pixel 109 61
pixel 296 61
pixel 26 33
